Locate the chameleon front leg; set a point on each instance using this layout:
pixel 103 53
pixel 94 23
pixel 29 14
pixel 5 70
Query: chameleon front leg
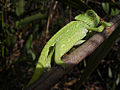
pixel 105 23
pixel 101 27
pixel 98 29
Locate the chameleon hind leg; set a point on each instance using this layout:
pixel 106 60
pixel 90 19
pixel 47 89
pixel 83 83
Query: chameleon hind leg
pixel 59 52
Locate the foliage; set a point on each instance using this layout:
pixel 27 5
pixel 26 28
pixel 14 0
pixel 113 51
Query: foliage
pixel 109 9
pixel 26 25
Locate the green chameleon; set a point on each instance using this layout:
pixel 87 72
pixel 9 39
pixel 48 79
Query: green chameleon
pixel 68 36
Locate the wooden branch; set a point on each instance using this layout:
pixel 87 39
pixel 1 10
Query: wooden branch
pixel 74 58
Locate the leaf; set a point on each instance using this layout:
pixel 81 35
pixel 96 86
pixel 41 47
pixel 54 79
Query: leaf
pixel 32 53
pixel 27 20
pixel 114 12
pixel 117 11
pixel 105 7
pixel 29 42
pixel 109 72
pixel 20 7
pixel 118 79
pixel 28 47
pixel 108 8
pixel 3 51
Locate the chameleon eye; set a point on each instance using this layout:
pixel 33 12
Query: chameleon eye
pixel 91 14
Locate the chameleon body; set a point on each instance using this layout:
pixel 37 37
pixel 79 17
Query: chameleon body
pixel 68 36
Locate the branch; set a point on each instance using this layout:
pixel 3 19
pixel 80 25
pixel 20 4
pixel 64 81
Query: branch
pixel 75 57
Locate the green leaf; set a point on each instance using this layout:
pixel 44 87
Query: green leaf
pixel 29 42
pixel 109 72
pixel 27 20
pixel 105 7
pixel 114 86
pixel 3 51
pixel 20 7
pixel 114 12
pixel 32 53
pixel 117 11
pixel 118 79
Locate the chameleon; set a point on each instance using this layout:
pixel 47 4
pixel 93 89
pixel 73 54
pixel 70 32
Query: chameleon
pixel 68 36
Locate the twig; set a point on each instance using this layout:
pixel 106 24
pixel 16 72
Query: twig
pixel 75 57
pixel 49 19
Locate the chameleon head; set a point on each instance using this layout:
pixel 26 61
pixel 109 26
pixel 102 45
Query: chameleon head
pixel 93 18
pixel 90 18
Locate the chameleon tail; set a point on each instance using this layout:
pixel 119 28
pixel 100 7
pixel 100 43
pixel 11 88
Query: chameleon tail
pixel 41 66
pixel 44 61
